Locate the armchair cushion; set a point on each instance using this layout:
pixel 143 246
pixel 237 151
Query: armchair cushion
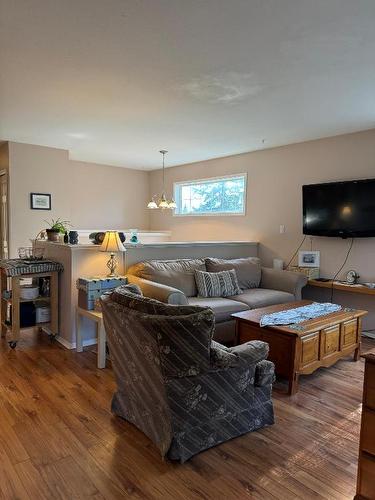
pixel 221 357
pixel 183 333
pixel 261 297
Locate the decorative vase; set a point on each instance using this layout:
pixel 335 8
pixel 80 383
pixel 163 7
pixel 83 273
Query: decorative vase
pixel 73 237
pixel 53 235
pixel 134 236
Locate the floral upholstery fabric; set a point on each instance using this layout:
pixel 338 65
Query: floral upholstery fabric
pixel 183 390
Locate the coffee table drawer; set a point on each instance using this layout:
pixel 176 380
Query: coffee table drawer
pixel 309 349
pixel 330 341
pixel 349 333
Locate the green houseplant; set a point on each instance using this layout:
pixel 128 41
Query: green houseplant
pixel 56 227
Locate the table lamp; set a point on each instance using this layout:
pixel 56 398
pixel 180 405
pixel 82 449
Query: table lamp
pixel 112 244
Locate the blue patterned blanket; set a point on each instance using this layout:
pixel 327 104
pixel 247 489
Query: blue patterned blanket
pixel 299 314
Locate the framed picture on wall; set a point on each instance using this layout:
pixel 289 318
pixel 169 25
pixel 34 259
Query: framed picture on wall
pixel 308 258
pixel 40 201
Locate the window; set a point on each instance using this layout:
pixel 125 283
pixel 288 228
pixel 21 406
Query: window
pixel 217 196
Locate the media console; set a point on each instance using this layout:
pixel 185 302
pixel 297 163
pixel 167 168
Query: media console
pixel 338 285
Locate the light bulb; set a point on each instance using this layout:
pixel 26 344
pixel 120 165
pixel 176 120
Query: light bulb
pixel 152 205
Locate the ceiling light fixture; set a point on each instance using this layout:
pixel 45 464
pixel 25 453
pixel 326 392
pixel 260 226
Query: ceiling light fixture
pixel 162 202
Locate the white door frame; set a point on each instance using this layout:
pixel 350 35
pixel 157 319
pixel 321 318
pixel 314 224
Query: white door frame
pixel 4 215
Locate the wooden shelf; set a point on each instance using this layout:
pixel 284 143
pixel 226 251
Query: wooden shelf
pixel 13 283
pixel 24 328
pixel 337 285
pixel 38 299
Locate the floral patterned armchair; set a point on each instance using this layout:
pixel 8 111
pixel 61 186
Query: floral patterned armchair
pixel 186 392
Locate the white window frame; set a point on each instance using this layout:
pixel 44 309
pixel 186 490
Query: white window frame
pixel 176 186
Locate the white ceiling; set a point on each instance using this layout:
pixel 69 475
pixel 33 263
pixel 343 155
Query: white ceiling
pixel 114 81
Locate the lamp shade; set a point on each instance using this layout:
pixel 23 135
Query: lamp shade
pixel 112 243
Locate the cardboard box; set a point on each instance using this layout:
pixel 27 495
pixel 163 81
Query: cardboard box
pixel 311 272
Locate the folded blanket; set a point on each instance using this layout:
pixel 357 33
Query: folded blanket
pixel 299 314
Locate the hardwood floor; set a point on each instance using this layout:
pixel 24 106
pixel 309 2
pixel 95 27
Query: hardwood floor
pixel 59 440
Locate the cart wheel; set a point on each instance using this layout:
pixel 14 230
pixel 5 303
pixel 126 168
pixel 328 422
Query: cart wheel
pixel 52 337
pixel 12 344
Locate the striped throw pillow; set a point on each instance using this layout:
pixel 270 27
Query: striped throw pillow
pixel 222 284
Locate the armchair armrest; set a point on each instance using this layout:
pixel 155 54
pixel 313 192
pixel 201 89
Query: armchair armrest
pixel 250 353
pixel 264 373
pixel 163 293
pixel 285 281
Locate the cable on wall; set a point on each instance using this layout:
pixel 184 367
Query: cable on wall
pixel 295 253
pixel 342 267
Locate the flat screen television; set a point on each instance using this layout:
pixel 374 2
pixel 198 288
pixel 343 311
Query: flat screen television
pixel 345 209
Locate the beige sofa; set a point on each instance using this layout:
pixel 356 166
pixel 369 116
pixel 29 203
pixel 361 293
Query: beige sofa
pixel 173 282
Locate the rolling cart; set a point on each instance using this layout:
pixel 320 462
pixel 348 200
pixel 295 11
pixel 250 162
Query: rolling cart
pixel 11 274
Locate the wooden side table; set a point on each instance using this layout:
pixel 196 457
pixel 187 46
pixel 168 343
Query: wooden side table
pixel 96 316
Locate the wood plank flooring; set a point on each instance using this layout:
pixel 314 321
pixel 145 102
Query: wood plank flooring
pixel 58 439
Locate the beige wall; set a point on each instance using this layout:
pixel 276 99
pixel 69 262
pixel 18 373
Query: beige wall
pixel 89 195
pixel 274 197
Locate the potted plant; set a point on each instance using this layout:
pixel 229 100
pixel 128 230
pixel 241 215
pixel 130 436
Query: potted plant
pixel 56 227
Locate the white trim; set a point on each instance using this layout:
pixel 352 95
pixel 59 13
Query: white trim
pixel 206 181
pixel 73 345
pixel 161 244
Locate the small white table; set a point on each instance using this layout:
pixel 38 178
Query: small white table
pixel 96 316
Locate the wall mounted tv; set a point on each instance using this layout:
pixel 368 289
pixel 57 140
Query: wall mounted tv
pixel 345 209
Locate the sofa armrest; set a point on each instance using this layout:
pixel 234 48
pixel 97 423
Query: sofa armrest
pixel 163 293
pixel 285 281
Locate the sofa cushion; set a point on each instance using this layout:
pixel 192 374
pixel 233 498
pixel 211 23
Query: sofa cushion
pixel 248 269
pixel 177 273
pixel 222 284
pixel 262 297
pixel 221 307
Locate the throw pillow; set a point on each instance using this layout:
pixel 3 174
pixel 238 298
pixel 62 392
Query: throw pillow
pixel 223 284
pixel 248 269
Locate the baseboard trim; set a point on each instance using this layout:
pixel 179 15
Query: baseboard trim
pixel 73 345
pixel 369 335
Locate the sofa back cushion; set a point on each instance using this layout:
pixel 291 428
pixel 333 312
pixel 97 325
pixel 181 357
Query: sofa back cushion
pixel 248 269
pixel 175 273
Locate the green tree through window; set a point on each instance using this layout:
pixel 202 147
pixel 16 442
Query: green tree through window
pixel 212 196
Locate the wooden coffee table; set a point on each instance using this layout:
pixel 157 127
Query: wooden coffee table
pixel 305 348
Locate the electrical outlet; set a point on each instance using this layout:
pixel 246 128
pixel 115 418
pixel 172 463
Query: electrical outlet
pixel 282 229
